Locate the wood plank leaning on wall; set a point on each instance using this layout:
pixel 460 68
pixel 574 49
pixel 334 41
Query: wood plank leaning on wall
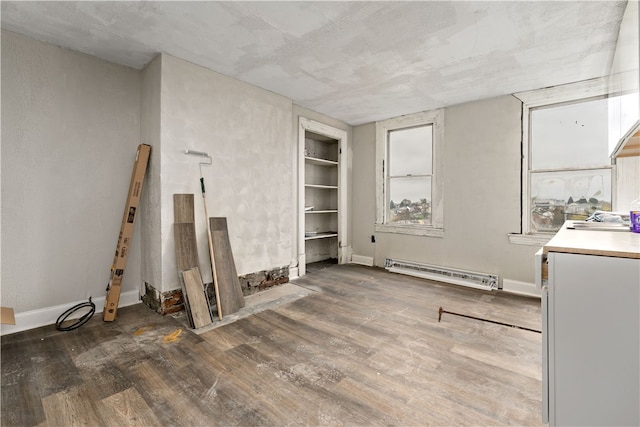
pixel 184 229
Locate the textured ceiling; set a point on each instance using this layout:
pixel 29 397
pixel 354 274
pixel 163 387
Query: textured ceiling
pixel 354 61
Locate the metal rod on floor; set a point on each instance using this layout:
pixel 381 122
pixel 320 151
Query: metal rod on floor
pixel 441 310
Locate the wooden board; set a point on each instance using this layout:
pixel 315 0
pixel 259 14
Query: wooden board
pixel 126 408
pixel 183 208
pixel 184 234
pixel 197 297
pixel 231 297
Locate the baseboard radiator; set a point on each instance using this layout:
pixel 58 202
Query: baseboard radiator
pixel 443 274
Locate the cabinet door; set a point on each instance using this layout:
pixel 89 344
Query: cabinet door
pixel 594 339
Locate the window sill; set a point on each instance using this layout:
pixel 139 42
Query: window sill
pixel 530 239
pixel 410 229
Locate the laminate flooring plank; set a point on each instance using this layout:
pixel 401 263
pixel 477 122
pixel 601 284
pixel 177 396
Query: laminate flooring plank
pixel 166 400
pixel 231 297
pixel 244 390
pixel 186 245
pixel 317 366
pixel 183 208
pixel 448 379
pixel 314 337
pixel 126 408
pixel 260 375
pixel 312 388
pixel 107 380
pixel 367 329
pixel 186 258
pixel 398 362
pixel 297 356
pixel 223 338
pixel 217 388
pixel 33 370
pixel 21 397
pixel 70 408
pixel 198 303
pixel 308 379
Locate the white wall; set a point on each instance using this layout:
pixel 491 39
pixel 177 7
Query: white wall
pixel 150 203
pixel 481 195
pixel 247 131
pixel 70 128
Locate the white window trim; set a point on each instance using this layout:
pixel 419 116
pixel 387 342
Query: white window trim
pixel 539 98
pixel 435 118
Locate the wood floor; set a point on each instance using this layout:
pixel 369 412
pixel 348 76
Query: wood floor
pixel 364 349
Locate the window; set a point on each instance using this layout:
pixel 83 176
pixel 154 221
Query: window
pixel 408 174
pixel 569 165
pixel 567 171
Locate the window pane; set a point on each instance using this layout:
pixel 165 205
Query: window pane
pixel 410 200
pixel 570 136
pixel 410 151
pixel 573 195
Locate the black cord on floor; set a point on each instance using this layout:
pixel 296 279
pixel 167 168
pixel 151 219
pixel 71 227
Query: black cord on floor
pixel 81 321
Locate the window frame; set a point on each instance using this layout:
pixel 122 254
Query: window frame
pixel 553 96
pixel 435 118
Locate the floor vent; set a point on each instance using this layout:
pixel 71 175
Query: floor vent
pixel 443 274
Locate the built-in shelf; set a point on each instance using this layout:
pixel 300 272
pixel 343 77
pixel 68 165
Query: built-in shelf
pixel 326 187
pixel 320 162
pixel 323 235
pixel 322 220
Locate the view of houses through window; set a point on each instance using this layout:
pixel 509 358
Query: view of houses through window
pixel 410 170
pixel 570 169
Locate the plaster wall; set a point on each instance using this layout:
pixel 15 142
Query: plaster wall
pixel 481 195
pixel 70 128
pixel 247 131
pixel 150 204
pixel 364 190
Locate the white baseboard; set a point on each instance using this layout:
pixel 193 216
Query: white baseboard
pixel 520 288
pixel 48 316
pixel 293 273
pixel 362 260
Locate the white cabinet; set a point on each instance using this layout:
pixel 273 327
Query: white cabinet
pixel 592 335
pixel 322 213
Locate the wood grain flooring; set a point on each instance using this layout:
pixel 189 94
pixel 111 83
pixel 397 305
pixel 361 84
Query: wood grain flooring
pixel 364 349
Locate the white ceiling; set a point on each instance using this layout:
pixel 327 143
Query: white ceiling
pixel 355 61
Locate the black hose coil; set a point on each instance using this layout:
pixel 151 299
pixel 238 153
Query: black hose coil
pixel 81 321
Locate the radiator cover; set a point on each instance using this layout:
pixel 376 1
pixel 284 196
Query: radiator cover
pixel 443 274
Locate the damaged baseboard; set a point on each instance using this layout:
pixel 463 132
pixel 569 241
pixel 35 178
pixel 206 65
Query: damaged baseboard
pixel 172 301
pixel 163 302
pixel 48 316
pixel 256 282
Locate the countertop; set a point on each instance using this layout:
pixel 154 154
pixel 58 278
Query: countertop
pixel 623 244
